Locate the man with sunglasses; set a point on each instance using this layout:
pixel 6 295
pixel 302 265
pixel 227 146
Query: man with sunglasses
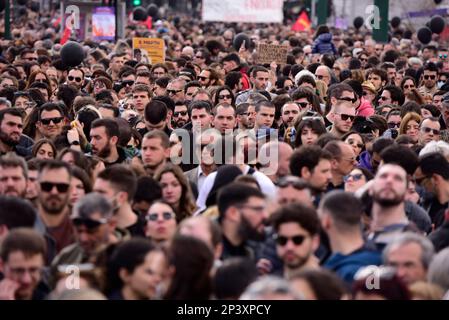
pixel 53 219
pixel 175 89
pixel 343 117
pixel 180 115
pixel 429 130
pixel 296 233
pixel 51 120
pixel 429 80
pixel 341 214
pixel 94 228
pixel 291 189
pixel 76 78
pixel 391 95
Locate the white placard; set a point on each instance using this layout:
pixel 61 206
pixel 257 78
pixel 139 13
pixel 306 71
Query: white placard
pixel 266 11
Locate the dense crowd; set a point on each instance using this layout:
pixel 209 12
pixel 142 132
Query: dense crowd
pixel 211 176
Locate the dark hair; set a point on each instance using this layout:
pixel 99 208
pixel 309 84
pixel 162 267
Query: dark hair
pixel 11 111
pixel 324 283
pixel 38 144
pixel 81 175
pixel 235 194
pixel 344 208
pixel 25 240
pixel 222 88
pixel 231 57
pixel 232 79
pixel 380 144
pixel 315 124
pixel 200 105
pixel 233 276
pixel 434 163
pixel 402 156
pixel 168 102
pixel 389 287
pixel 54 165
pixel 147 190
pixel 50 106
pixel 192 260
pixel 298 213
pixel 156 111
pixel 396 94
pixel 121 178
pixel 127 255
pixel 110 125
pixel 80 160
pixel 162 82
pixel 10 206
pixel 307 156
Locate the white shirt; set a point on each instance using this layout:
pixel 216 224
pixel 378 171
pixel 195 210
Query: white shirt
pixel 266 185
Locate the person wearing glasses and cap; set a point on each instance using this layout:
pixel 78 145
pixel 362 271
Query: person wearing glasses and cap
pixel 94 229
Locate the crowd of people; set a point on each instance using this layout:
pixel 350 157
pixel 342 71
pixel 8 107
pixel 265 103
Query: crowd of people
pixel 211 176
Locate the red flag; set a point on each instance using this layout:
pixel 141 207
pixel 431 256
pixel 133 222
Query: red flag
pixel 302 23
pixel 66 35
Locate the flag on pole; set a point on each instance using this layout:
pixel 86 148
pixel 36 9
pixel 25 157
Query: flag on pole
pixel 302 23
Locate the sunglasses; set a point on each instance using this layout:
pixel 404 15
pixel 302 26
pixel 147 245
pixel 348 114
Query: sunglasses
pixel 180 113
pixel 393 125
pixel 48 186
pixel 77 79
pixel 383 98
pixel 225 96
pixel 47 121
pixel 409 86
pixel 353 100
pixel 202 78
pixel 432 77
pixel 355 177
pixel 165 215
pixel 291 181
pixel 282 240
pixel 428 130
pixel 303 105
pixel 173 91
pixel 127 83
pixel 443 56
pixel 199 57
pixel 88 223
pixel 345 117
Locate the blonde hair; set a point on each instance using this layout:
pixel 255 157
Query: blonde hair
pixel 407 118
pixel 426 291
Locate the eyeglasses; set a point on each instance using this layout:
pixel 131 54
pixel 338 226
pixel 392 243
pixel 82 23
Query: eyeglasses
pixel 345 117
pixel 393 125
pixel 354 143
pixel 165 216
pixel 128 83
pixel 363 59
pixel 282 240
pixel 48 186
pixel 47 121
pixel 320 77
pixel 180 113
pixel 88 223
pixel 99 84
pixel 432 77
pixel 225 96
pixel 77 79
pixel 428 130
pixel 353 100
pixel 355 177
pixel 174 91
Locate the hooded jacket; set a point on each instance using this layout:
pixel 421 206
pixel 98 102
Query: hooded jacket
pixel 323 44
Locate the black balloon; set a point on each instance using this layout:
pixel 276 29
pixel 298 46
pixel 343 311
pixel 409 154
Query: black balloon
pixel 35 6
pixel 437 24
pixel 72 54
pixel 424 35
pixel 395 22
pixel 358 22
pixel 238 40
pixel 153 11
pixel 438 1
pixel 408 34
pixel 22 2
pixel 140 14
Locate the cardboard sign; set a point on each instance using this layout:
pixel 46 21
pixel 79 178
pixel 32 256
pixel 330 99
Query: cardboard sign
pixel 151 49
pixel 267 53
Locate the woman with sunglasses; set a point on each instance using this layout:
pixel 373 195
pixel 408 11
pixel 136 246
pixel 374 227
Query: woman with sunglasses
pixel 355 140
pixel 284 85
pixel 176 190
pixel 224 94
pixel 38 76
pixel 356 179
pixel 161 221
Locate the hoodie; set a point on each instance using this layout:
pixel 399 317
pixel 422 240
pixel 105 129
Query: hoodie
pixel 323 44
pixel 365 161
pixel 365 109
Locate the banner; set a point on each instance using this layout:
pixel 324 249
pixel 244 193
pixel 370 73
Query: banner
pixel 103 24
pixel 150 49
pixel 259 11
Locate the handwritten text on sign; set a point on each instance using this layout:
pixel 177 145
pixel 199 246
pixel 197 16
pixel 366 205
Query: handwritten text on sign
pixel 243 10
pixel 267 53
